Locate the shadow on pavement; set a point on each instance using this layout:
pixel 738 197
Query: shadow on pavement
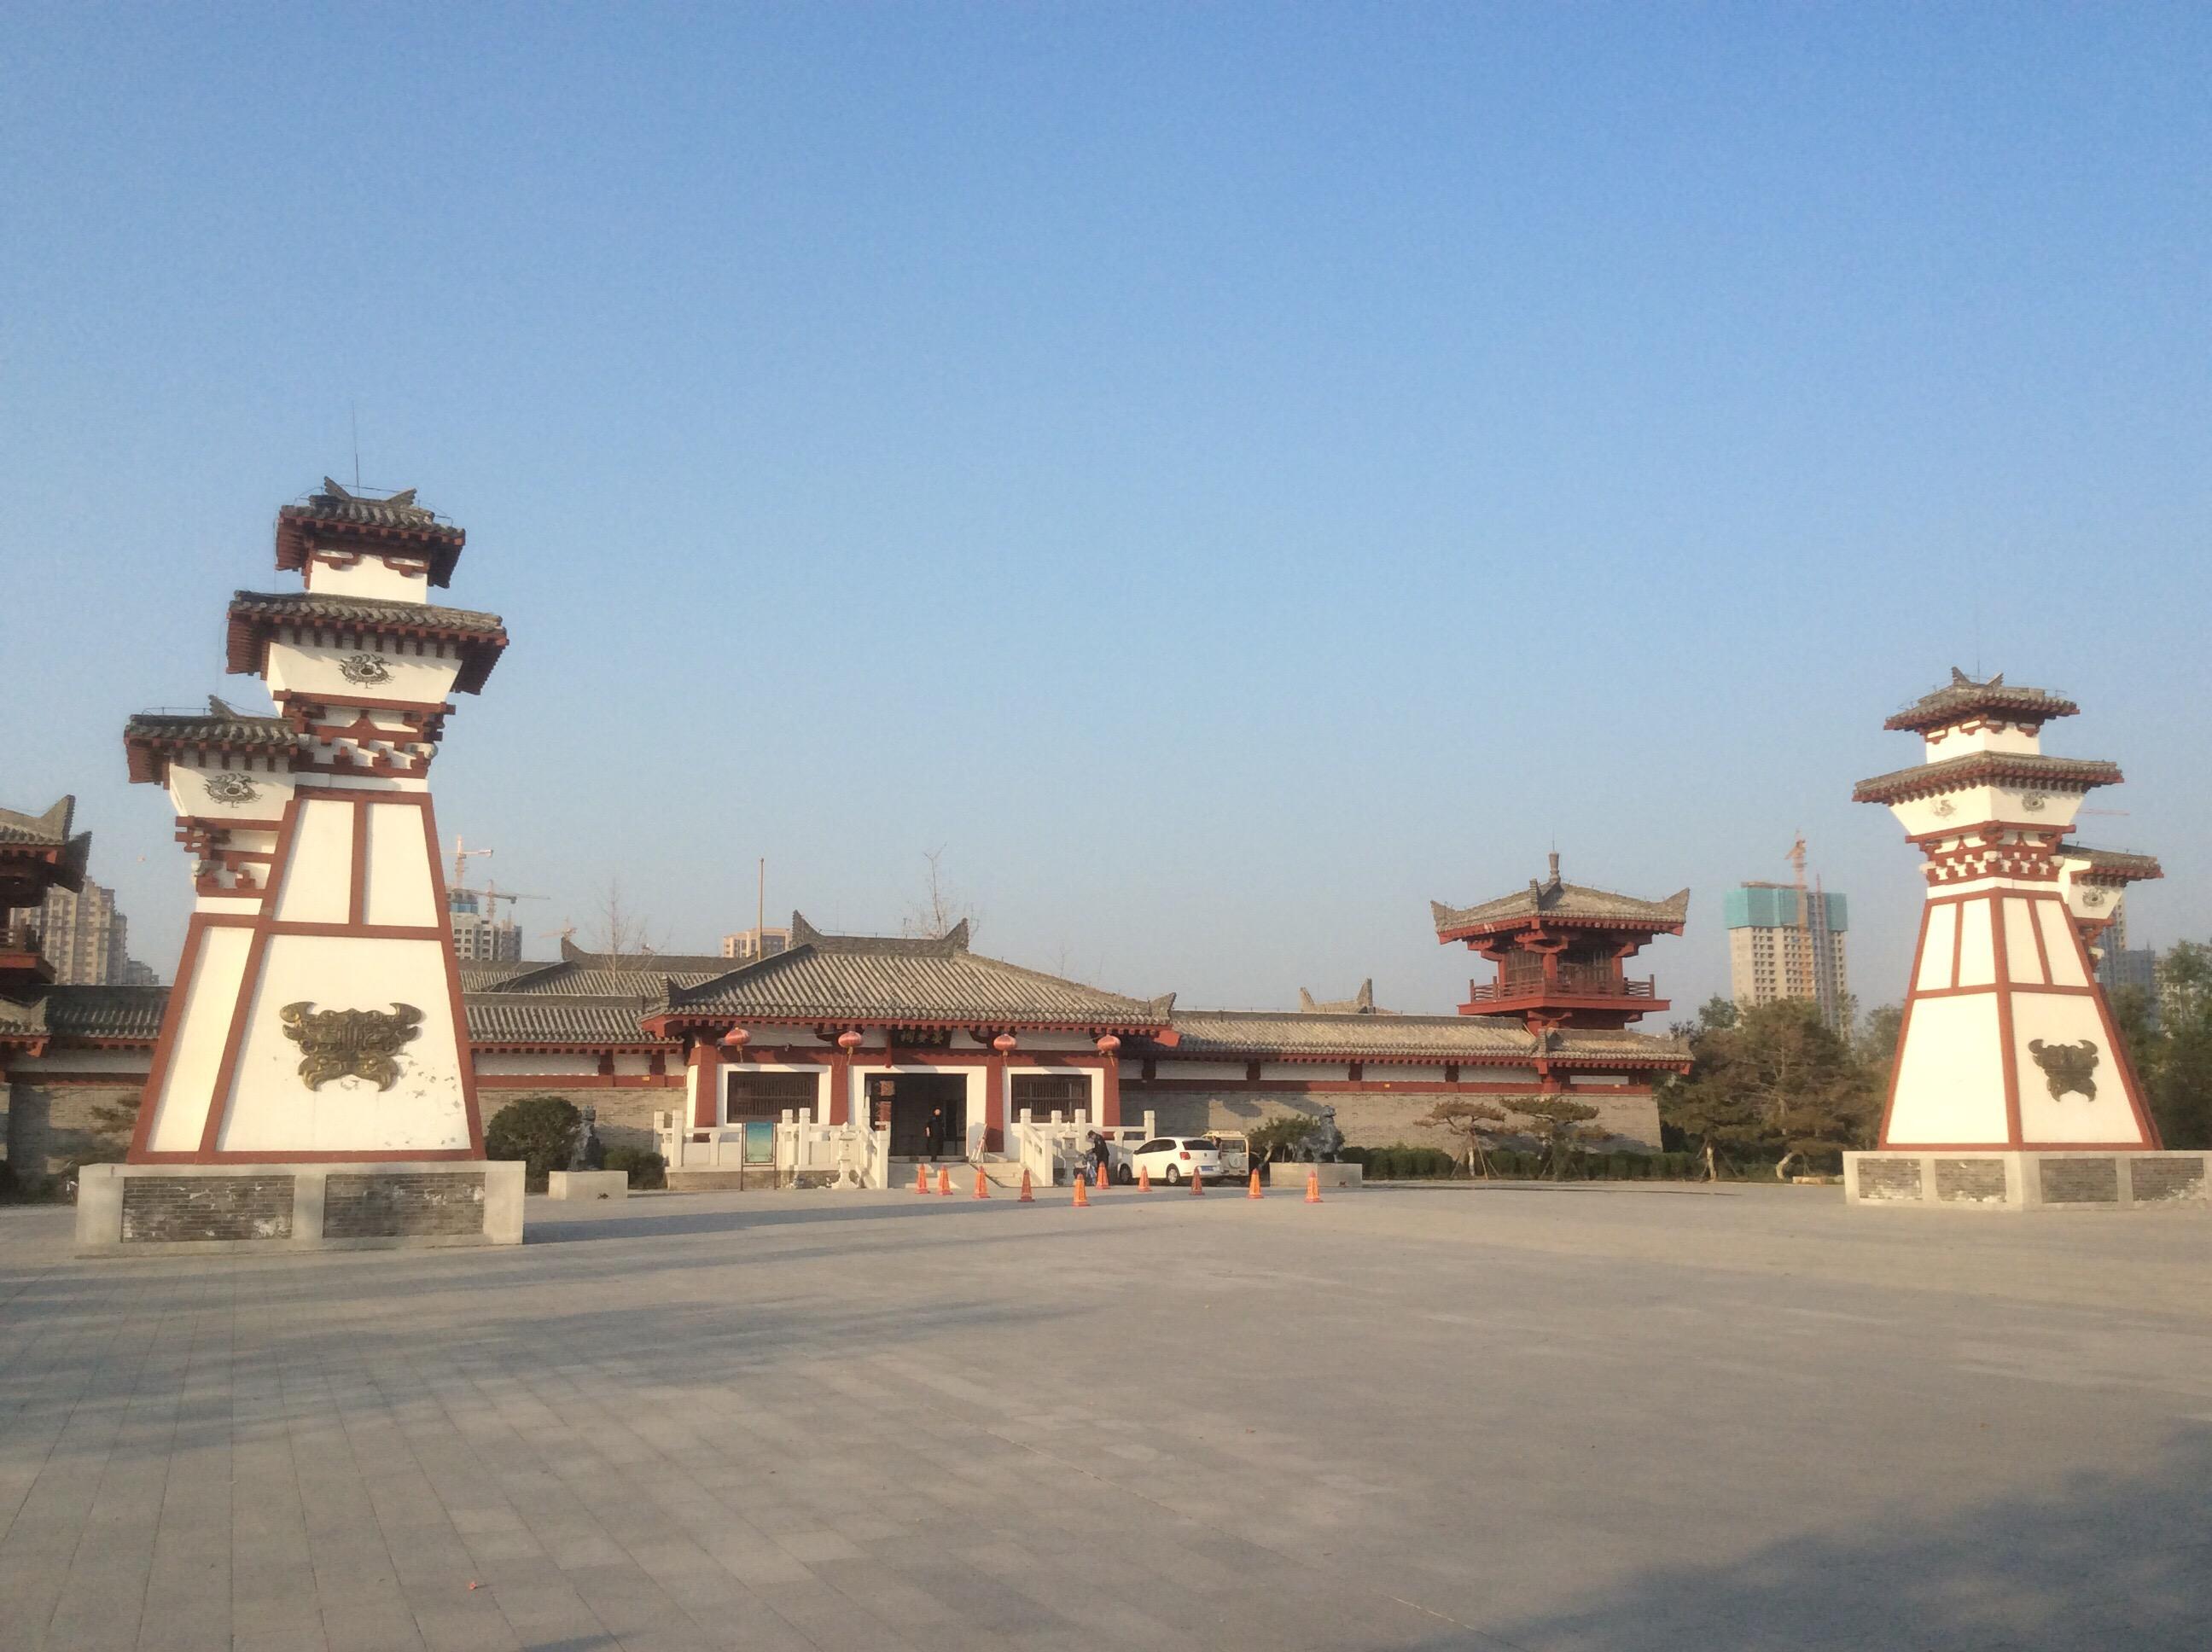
pixel 2099 1562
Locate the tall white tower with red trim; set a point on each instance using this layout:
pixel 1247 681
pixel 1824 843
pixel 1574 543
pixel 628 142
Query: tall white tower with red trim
pixel 317 1015
pixel 2007 1047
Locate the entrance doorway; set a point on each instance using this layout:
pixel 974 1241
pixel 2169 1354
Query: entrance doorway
pixel 904 1100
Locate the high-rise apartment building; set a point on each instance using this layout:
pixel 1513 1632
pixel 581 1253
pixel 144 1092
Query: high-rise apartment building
pixel 480 935
pixel 1787 942
pixel 750 943
pixel 79 934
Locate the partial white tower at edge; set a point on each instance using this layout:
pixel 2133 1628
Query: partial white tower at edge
pixel 2006 1041
pixel 317 1013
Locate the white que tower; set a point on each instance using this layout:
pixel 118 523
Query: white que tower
pixel 317 1012
pixel 2008 1043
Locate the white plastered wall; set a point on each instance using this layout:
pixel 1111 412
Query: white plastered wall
pixel 2068 1018
pixel 271 1109
pixel 180 1109
pixel 313 669
pixel 371 577
pixel 317 885
pixel 400 890
pixel 1950 1083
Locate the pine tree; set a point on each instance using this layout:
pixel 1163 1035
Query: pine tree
pixel 1560 1123
pixel 1478 1123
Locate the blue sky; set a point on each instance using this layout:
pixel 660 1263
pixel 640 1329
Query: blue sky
pixel 1227 475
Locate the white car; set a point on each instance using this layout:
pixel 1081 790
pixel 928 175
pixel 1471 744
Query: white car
pixel 1176 1159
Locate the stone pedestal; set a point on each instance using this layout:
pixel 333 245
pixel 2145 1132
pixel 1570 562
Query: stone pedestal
pixel 587 1184
pixel 138 1210
pixel 2030 1181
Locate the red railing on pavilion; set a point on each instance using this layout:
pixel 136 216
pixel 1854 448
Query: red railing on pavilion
pixel 1571 983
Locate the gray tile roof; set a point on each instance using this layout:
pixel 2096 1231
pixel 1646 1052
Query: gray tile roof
pixel 151 736
pixel 1987 769
pixel 47 831
pixel 1555 900
pixel 523 1018
pixel 338 514
pixel 255 614
pixel 1303 1034
pixel 2111 865
pixel 131 1013
pixel 651 963
pixel 53 854
pixel 882 980
pixel 1963 697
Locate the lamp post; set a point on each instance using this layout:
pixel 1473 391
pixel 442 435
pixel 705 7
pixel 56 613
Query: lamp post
pixel 1002 1084
pixel 1110 1082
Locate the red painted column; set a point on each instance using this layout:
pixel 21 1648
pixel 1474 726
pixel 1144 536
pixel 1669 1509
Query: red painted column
pixel 841 1077
pixel 994 1102
pixel 705 1060
pixel 1109 1088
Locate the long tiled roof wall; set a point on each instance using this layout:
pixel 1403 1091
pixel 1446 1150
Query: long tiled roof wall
pixel 519 1018
pixel 881 979
pixel 1294 1035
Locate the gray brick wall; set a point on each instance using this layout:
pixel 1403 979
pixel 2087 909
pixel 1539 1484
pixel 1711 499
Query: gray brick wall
pixel 1368 1118
pixel 51 1127
pixel 166 1210
pixel 2080 1181
pixel 384 1206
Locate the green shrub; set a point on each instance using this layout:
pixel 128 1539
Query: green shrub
pixel 647 1169
pixel 1354 1156
pixel 1278 1138
pixel 539 1130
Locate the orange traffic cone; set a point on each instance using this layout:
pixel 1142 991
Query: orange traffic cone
pixel 1312 1186
pixel 1144 1178
pixel 1197 1182
pixel 921 1179
pixel 982 1183
pixel 1082 1197
pixel 945 1184
pixel 1102 1178
pixel 1027 1197
pixel 1255 1193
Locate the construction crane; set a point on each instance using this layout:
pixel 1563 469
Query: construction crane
pixel 462 855
pixel 494 892
pixel 1815 970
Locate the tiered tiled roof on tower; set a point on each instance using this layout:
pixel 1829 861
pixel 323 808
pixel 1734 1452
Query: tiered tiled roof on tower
pixel 1558 947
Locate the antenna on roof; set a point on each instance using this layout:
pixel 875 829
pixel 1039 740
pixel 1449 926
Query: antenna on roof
pixel 355 408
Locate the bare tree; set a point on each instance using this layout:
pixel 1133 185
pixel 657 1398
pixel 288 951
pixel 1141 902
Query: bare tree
pixel 940 906
pixel 621 928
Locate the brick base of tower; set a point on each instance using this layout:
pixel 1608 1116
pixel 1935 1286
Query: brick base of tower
pixel 2030 1180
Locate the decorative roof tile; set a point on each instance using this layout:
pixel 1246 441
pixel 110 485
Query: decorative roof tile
pixel 1552 901
pixel 256 615
pixel 92 1014
pixel 882 980
pixel 1308 1035
pixel 151 738
pixel 1987 769
pixel 2109 866
pixel 1962 697
pixel 41 848
pixel 1360 1002
pixel 394 524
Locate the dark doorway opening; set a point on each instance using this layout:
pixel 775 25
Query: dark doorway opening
pixel 905 1100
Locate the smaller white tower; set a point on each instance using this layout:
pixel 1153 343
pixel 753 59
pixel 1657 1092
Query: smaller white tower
pixel 2011 1085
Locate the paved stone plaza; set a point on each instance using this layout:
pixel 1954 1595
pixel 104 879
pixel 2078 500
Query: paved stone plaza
pixel 1410 1418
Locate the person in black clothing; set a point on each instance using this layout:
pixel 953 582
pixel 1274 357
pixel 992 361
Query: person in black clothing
pixel 933 1133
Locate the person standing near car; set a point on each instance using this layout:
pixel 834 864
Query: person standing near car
pixel 933 1133
pixel 1097 1155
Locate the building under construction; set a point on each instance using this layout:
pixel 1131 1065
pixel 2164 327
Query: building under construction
pixel 1787 941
